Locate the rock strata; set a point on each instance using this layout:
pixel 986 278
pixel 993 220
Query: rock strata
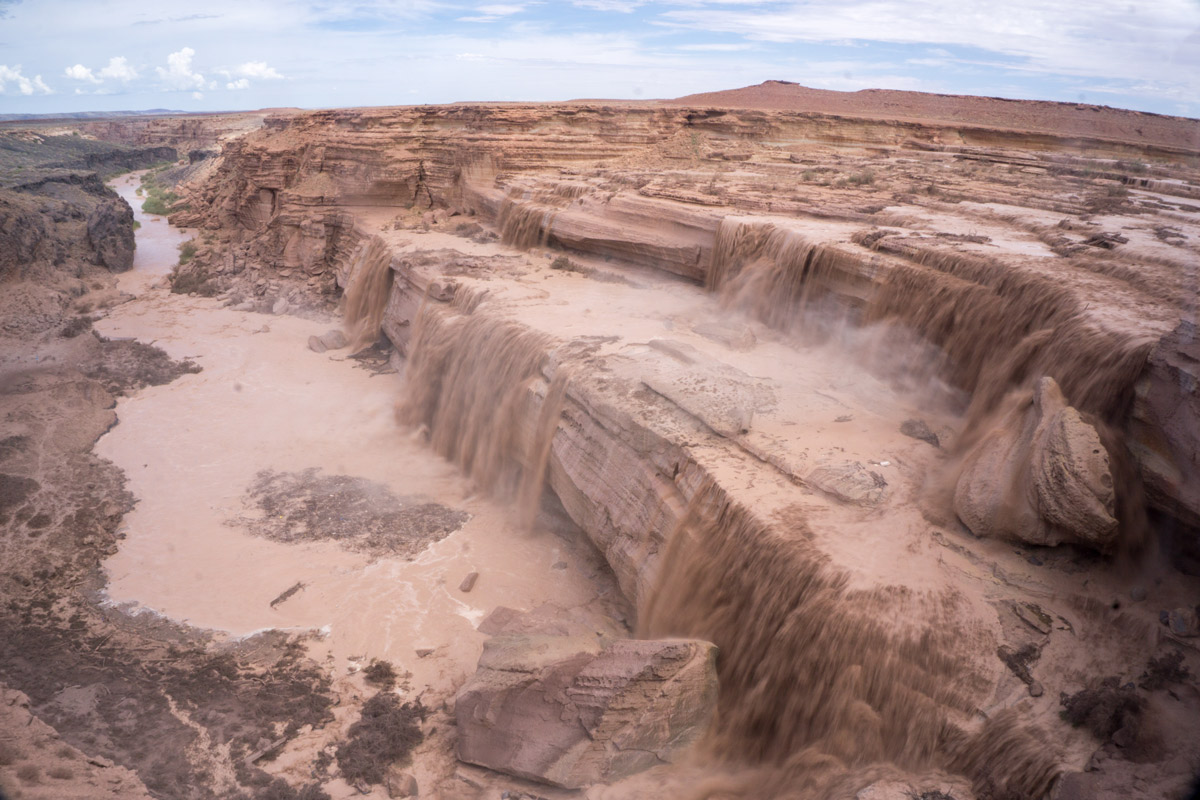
pixel 572 712
pixel 1044 477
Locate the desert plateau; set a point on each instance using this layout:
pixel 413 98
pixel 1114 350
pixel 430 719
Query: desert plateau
pixel 766 443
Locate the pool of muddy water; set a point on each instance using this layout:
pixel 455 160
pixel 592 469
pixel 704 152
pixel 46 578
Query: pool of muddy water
pixel 265 405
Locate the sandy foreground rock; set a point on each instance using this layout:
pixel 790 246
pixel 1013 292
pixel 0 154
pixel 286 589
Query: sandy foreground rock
pixel 575 711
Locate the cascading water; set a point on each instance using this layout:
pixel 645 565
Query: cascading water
pixel 469 382
pixel 367 291
pixel 813 673
pixel 997 329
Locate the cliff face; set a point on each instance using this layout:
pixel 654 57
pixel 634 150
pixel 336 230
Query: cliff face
pixel 823 391
pixel 994 245
pixel 184 132
pixel 59 223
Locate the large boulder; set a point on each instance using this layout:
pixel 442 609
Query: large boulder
pixel 1042 476
pixel 574 711
pixel 110 232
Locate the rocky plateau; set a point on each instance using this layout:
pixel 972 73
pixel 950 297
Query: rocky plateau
pixel 877 410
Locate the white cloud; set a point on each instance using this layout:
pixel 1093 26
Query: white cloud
pixel 621 6
pixel 118 69
pixel 197 95
pixel 179 74
pixel 1053 39
pixel 716 48
pixel 25 86
pixel 240 83
pixel 493 11
pixel 257 69
pixel 80 73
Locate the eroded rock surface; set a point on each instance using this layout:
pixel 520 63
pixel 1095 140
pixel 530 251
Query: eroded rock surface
pixel 1042 477
pixel 572 711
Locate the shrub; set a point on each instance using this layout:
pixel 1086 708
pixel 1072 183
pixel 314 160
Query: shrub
pixel 864 178
pixel 192 281
pixel 187 251
pixel 29 773
pixel 61 773
pixel 76 326
pixel 387 731
pixel 381 674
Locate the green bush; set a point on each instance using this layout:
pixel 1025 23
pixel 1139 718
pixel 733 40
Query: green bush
pixel 187 251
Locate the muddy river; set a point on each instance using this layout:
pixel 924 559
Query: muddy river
pixel 265 402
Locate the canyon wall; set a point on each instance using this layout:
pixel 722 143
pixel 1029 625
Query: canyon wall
pixel 706 194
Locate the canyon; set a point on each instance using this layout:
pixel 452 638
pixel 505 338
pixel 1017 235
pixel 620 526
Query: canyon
pixel 872 414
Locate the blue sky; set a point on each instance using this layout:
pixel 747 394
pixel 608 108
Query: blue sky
pixel 85 55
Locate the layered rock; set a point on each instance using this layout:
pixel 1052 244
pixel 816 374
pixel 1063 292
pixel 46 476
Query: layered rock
pixel 1041 476
pixel 574 712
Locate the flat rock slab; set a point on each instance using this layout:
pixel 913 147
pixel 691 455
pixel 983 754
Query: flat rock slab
pixel 574 711
pixel 722 397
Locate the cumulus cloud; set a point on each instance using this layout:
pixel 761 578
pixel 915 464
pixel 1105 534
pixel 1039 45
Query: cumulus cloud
pixel 118 69
pixel 80 73
pixel 259 70
pixel 178 74
pixel 239 77
pixel 26 86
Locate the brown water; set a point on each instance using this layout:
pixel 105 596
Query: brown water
pixel 157 242
pixel 990 328
pixel 192 448
pixel 367 293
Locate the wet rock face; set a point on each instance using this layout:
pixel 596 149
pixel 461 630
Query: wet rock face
pixel 1042 477
pixel 572 712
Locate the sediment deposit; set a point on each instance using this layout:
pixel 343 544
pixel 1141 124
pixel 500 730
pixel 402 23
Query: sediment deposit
pixel 897 410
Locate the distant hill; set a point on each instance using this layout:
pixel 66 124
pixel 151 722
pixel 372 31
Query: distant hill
pixel 1034 116
pixel 86 115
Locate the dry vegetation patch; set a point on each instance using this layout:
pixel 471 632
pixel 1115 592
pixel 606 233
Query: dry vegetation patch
pixel 360 514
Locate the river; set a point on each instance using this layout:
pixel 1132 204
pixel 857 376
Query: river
pixel 264 401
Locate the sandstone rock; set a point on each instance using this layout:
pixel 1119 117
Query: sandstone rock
pixel 468 583
pixel 110 231
pixel 850 482
pixel 732 335
pixel 316 345
pixel 1041 477
pixel 334 339
pixel 400 784
pixel 571 712
pixel 281 306
pixel 721 396
pixel 496 621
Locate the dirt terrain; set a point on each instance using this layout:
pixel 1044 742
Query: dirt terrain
pixel 885 395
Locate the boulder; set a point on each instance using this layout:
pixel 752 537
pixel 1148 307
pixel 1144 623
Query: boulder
pixel 333 339
pixel 573 711
pixel 1042 476
pixel 849 481
pixel 110 232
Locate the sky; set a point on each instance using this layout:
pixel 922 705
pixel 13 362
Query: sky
pixel 108 55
